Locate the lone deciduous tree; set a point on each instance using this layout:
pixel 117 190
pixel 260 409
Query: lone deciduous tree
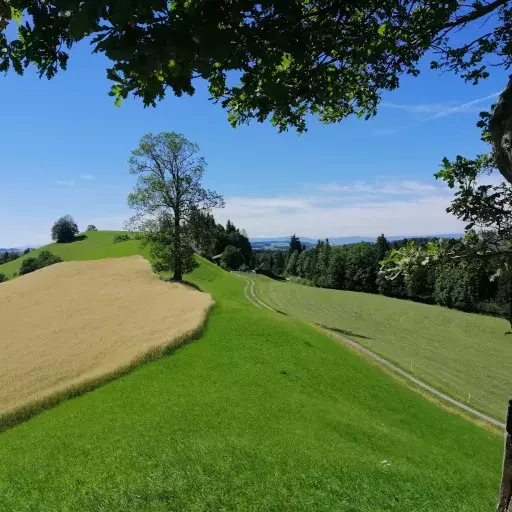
pixel 231 258
pixel 64 229
pixel 167 194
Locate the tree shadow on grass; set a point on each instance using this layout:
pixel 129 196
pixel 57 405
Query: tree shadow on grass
pixel 345 332
pixel 188 284
pixel 77 238
pixel 271 275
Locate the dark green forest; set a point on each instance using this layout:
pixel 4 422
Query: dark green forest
pixel 465 284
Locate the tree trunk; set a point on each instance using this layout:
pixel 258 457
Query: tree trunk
pixel 510 292
pixel 178 264
pixel 506 475
pixel 501 131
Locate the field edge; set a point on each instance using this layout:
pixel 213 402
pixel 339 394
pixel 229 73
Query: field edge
pixel 27 411
pixel 474 415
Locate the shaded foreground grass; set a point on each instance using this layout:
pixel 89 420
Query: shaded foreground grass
pixel 261 413
pixel 465 355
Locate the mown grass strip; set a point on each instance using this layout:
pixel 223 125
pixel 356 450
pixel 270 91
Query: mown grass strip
pixel 466 356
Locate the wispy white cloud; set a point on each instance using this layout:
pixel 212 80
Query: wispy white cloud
pixel 360 208
pixel 384 187
pixel 439 109
pixel 464 107
pixel 72 183
pixel 436 111
pixel 418 108
pixel 261 217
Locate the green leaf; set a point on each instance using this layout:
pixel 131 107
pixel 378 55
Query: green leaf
pixel 382 29
pixel 285 61
pixel 16 15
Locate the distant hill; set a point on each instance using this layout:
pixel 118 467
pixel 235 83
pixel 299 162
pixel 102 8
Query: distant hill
pixel 18 249
pixel 92 245
pixel 277 243
pixel 281 242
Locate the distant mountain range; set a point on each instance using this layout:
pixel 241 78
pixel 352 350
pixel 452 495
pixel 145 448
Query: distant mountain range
pixel 280 242
pixel 21 248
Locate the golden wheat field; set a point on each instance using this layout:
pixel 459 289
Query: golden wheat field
pixel 74 322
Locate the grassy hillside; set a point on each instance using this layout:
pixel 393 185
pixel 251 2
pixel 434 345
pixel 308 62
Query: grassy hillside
pixel 261 413
pixel 459 353
pixel 95 245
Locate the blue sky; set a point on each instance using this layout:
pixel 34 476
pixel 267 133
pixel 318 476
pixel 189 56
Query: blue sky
pixel 65 148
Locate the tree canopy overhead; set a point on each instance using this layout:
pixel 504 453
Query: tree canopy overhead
pixel 289 58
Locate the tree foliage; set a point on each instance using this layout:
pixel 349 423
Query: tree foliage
pixel 291 267
pixel 167 196
pixel 295 244
pixel 211 239
pixel 231 235
pixel 485 208
pixel 11 255
pixel 204 233
pixel 44 259
pixel 168 250
pixel 64 229
pixel 3 278
pixel 91 227
pixel 232 258
pixel 421 269
pixel 417 265
pixel 271 262
pixel 28 265
pixel 293 57
pixel 121 237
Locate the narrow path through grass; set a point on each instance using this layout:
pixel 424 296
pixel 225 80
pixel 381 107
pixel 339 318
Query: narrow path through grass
pixel 251 296
pixel 466 356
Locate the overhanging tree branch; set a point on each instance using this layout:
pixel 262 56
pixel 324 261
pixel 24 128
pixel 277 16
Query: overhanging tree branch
pixel 477 13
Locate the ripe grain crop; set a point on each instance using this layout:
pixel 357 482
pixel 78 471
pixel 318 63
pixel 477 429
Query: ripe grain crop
pixel 76 323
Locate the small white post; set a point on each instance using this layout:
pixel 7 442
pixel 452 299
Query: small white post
pixel 411 366
pixel 469 397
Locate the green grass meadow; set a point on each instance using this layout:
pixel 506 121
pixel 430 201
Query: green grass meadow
pixel 261 413
pixel 466 355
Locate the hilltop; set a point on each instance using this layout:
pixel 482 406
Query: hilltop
pixel 92 245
